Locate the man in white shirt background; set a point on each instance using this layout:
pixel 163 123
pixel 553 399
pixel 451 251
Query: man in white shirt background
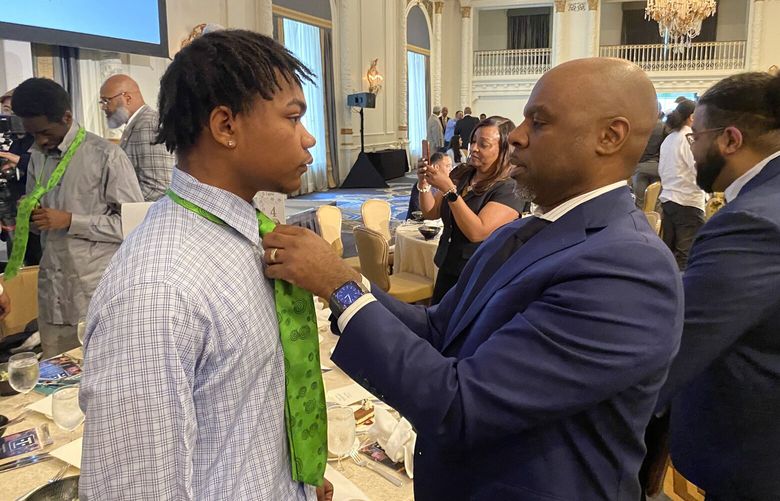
pixel 681 199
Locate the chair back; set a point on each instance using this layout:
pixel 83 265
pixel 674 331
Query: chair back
pixel 23 293
pixel 654 219
pixel 652 193
pixel 373 253
pixel 376 216
pixel 133 214
pixel 329 220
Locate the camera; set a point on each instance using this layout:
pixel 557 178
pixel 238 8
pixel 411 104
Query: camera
pixel 11 125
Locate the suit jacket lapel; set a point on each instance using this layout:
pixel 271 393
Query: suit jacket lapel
pixel 129 129
pixel 769 171
pixel 567 231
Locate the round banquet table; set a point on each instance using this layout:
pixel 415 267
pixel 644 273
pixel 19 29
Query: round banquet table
pixel 414 254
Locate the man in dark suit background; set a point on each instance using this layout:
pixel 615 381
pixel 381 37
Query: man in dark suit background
pixel 465 127
pixel 724 385
pixel 536 375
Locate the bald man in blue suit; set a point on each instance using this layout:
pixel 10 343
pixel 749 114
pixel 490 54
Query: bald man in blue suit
pixel 536 375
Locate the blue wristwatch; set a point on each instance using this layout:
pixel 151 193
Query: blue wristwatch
pixel 344 296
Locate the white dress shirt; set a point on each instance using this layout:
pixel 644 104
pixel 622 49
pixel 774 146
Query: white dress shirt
pixel 551 215
pixel 735 187
pixel 677 170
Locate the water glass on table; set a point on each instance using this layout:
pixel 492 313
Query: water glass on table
pixel 81 328
pixel 23 371
pixel 341 432
pixel 65 410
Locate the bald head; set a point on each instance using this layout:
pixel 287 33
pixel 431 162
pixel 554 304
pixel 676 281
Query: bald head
pixel 121 90
pixel 604 88
pixel 586 125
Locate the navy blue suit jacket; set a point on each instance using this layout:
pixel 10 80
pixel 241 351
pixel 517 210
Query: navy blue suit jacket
pixel 541 387
pixel 725 415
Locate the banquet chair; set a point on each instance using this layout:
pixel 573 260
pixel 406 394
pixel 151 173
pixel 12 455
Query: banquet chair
pixel 23 293
pixel 652 193
pixel 329 219
pixel 376 216
pixel 654 219
pixel 373 253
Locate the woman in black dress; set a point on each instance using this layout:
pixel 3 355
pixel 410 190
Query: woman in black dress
pixel 473 201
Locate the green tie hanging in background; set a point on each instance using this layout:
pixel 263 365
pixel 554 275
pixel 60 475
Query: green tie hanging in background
pixel 31 201
pixel 304 411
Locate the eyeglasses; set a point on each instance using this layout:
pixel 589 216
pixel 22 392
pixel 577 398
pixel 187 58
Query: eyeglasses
pixel 691 136
pixel 105 100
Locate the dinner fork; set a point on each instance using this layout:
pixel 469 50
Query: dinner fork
pixel 367 464
pixel 53 479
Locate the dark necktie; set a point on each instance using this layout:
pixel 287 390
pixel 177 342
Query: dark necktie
pixel 523 234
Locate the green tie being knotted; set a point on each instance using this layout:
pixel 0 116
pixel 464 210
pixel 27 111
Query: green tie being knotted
pixel 304 411
pixel 31 201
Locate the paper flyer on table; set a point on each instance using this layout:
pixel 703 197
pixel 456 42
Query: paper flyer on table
pixel 343 489
pixel 70 453
pixel 43 406
pixel 347 395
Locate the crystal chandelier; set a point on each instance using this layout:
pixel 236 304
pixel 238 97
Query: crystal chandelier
pixel 680 20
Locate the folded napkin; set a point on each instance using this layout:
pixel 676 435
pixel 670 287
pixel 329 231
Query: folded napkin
pixel 395 436
pixel 343 489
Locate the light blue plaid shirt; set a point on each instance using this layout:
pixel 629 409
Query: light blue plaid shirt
pixel 184 373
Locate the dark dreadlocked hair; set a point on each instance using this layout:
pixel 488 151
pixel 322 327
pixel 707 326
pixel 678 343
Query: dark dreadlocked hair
pixel 222 68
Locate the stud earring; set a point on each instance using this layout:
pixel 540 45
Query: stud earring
pixel 231 143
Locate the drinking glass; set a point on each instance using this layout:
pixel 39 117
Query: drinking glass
pixel 81 328
pixel 65 410
pixel 341 431
pixel 23 371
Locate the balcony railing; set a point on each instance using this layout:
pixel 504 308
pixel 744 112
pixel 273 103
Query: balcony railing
pixel 699 56
pixel 511 62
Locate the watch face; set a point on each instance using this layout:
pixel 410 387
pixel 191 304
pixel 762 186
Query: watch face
pixel 348 293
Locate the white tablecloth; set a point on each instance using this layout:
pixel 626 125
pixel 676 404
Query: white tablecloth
pixel 414 254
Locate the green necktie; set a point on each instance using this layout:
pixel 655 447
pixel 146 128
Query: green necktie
pixel 304 410
pixel 31 201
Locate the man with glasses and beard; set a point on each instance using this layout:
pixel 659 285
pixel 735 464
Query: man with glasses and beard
pixel 123 104
pixel 724 385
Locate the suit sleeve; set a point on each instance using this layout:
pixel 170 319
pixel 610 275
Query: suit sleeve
pixel 730 286
pixel 120 186
pixel 599 327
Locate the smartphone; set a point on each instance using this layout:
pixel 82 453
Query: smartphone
pixel 426 150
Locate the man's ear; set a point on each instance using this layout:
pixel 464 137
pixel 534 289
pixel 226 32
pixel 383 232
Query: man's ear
pixel 222 126
pixel 613 135
pixel 730 140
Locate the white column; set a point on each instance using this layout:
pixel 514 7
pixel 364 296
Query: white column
pixel 466 54
pixel 436 51
pixel 756 32
pixel 593 28
pixel 559 26
pixel 403 118
pixel 265 17
pixel 348 19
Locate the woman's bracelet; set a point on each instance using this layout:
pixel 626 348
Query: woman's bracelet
pixel 423 190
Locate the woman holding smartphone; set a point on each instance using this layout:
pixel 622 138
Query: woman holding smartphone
pixel 473 201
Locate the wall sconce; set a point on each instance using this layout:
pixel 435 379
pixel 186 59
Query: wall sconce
pixel 374 78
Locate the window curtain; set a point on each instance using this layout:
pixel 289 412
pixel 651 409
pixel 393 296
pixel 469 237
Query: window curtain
pixel 529 32
pixel 638 30
pixel 335 177
pixel 66 73
pixel 303 40
pixel 417 103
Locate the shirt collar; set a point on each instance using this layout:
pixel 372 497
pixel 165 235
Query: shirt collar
pixel 137 112
pixel 560 210
pixel 65 144
pixel 735 187
pixel 229 207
